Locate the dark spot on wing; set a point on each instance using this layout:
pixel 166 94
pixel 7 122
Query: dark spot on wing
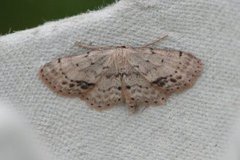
pixel 161 81
pixel 180 53
pixel 106 67
pixel 84 85
pixel 87 54
pixel 128 87
pixel 64 82
pixel 152 51
pixel 71 85
pixel 173 80
pixel 136 66
pixel 179 77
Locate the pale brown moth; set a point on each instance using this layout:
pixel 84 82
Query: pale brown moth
pixel 137 76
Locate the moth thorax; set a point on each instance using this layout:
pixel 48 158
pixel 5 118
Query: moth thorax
pixel 120 58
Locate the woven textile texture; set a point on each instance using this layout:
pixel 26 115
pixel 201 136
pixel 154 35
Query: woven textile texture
pixel 195 124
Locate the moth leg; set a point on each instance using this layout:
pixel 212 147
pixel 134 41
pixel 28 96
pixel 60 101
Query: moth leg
pixel 154 42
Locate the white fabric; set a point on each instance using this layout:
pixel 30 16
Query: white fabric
pixel 17 142
pixel 196 124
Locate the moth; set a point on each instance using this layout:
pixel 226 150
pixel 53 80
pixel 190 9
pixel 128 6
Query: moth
pixel 138 76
